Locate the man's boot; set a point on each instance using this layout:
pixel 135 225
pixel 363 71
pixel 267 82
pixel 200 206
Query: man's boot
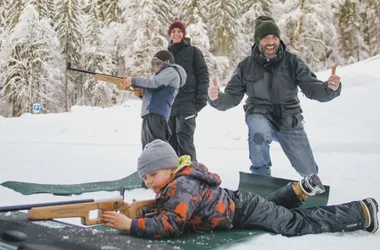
pixel 370 209
pixel 312 185
pixel 308 186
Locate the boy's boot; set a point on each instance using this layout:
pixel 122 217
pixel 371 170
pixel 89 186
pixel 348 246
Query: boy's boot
pixel 370 209
pixel 308 186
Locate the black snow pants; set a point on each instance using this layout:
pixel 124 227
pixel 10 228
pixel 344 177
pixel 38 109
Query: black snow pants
pixel 154 127
pixel 182 139
pixel 280 213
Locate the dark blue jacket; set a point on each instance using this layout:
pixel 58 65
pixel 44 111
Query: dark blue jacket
pixel 160 90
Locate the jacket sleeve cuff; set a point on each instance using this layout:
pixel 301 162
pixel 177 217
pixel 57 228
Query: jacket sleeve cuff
pixel 134 227
pixel 133 82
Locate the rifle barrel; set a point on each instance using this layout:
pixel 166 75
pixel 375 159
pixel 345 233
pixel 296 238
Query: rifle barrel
pixel 45 204
pixel 88 72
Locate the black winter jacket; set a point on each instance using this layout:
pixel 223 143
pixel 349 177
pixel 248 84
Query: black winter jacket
pixel 192 97
pixel 272 87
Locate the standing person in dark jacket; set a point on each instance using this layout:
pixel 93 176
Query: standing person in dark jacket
pixel 190 199
pixel 158 95
pixel 192 97
pixel 270 77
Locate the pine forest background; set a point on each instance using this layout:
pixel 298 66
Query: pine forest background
pixel 39 37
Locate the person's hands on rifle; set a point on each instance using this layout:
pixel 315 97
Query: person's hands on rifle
pixel 116 220
pixel 138 92
pixel 127 81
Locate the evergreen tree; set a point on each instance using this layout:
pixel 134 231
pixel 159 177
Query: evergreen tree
pixel 145 32
pixel 68 20
pixel 250 10
pixel 370 25
pixel 3 13
pixel 350 40
pixel 45 8
pixel 14 10
pixel 193 14
pixel 95 7
pixel 194 11
pixel 32 65
pixel 224 27
pixel 95 56
pixel 3 17
pixel 111 11
pixel 307 29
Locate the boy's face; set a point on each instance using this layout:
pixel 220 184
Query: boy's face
pixel 156 179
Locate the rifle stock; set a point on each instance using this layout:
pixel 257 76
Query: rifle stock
pixel 102 77
pixel 83 210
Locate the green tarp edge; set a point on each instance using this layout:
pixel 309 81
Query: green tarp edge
pixel 27 188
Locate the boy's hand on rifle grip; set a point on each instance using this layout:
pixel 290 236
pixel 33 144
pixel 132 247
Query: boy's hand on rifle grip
pixel 138 92
pixel 116 220
pixel 127 81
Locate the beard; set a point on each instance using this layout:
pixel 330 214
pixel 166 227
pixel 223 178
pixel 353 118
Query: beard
pixel 269 50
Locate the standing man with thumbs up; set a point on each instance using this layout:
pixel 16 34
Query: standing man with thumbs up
pixel 270 77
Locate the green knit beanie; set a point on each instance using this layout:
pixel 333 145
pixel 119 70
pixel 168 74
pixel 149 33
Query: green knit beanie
pixel 264 26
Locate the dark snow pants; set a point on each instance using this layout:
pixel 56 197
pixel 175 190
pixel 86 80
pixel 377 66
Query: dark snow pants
pixel 280 213
pixel 154 127
pixel 182 139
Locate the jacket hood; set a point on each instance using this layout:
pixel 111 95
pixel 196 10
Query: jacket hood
pixel 196 171
pixel 181 72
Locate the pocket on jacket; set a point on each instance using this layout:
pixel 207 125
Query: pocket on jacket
pixel 256 86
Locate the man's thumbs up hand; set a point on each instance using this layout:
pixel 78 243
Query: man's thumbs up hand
pixel 213 90
pixel 334 80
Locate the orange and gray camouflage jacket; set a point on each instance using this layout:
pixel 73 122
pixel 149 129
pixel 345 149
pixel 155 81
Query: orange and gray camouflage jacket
pixel 191 201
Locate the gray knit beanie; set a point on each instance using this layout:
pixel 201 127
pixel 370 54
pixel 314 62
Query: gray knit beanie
pixel 155 156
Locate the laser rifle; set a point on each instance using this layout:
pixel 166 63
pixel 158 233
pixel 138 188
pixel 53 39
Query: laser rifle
pixel 83 208
pixel 117 80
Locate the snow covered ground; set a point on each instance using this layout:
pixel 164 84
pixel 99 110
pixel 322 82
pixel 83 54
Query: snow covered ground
pixel 94 144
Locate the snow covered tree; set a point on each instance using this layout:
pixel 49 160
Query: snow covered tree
pixel 68 20
pixel 351 44
pixel 111 11
pixel 249 10
pixel 3 12
pixel 194 11
pixel 370 25
pixel 144 33
pixel 3 17
pixel 307 28
pixel 32 64
pixel 14 9
pixel 193 14
pixel 223 26
pixel 97 55
pixel 45 8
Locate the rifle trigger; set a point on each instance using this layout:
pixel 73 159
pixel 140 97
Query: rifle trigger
pixel 122 191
